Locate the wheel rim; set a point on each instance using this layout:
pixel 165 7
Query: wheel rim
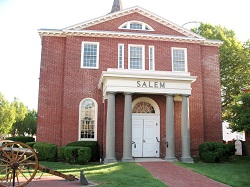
pixel 18 164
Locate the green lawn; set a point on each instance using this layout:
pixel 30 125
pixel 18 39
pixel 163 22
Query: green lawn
pixel 117 174
pixel 235 173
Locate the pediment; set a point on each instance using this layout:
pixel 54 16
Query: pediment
pixel 101 22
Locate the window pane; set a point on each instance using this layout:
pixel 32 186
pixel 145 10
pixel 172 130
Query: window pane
pixel 136 26
pixel 120 57
pixel 88 110
pixel 90 55
pixel 135 57
pixel 151 58
pixel 179 61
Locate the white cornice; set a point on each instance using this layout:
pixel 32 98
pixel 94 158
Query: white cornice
pixel 128 35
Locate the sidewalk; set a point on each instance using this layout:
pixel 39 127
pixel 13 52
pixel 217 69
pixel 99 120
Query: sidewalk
pixel 175 176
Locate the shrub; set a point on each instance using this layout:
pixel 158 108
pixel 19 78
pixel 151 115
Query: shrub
pixel 77 154
pixel 61 153
pixel 212 152
pixel 231 150
pixel 31 144
pixel 84 155
pixel 46 151
pixel 93 145
pixel 23 139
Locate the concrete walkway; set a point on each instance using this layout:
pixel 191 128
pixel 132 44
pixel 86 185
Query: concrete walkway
pixel 176 176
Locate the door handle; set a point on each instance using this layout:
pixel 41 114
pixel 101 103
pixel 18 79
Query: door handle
pixel 157 139
pixel 144 141
pixel 133 142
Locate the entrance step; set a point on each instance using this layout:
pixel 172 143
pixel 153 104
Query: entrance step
pixel 149 160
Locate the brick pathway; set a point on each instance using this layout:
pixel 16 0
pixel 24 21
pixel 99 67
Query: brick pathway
pixel 176 176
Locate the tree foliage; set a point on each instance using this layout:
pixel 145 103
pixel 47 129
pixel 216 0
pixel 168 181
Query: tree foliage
pixel 239 117
pixel 234 62
pixel 20 112
pixel 7 116
pixel 15 118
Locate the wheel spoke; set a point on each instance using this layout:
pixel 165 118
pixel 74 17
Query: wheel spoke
pixel 5 169
pixel 6 155
pixel 17 153
pixel 22 154
pixel 26 159
pixel 3 160
pixel 24 175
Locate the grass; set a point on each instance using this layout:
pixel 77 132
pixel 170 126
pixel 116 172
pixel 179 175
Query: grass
pixel 116 174
pixel 235 172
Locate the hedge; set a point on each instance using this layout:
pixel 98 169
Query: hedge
pixel 23 139
pixel 212 152
pixel 93 145
pixel 31 144
pixel 75 154
pixel 46 151
pixel 60 155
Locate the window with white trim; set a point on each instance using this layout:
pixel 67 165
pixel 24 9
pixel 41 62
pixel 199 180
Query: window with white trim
pixel 136 25
pixel 179 59
pixel 121 56
pixel 136 59
pixel 90 55
pixel 88 119
pixel 151 58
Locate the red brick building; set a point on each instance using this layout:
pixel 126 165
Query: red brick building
pixel 135 82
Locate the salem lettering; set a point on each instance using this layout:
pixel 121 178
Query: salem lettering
pixel 149 84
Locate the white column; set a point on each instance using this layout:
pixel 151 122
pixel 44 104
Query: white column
pixel 110 130
pixel 170 143
pixel 127 129
pixel 185 131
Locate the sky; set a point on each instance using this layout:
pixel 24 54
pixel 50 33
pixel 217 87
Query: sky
pixel 20 43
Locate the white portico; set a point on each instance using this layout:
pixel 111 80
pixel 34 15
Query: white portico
pixel 130 82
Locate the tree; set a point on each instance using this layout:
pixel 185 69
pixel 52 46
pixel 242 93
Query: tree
pixel 234 62
pixel 30 122
pixel 7 116
pixel 19 127
pixel 240 113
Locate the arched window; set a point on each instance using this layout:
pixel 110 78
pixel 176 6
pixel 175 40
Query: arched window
pixel 136 25
pixel 88 119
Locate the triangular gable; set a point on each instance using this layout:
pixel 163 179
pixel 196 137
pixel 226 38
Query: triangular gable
pixel 136 9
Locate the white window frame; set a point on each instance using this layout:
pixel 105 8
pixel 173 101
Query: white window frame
pixel 185 55
pixel 96 117
pixel 97 55
pixel 144 26
pixel 121 55
pixel 143 55
pixel 151 58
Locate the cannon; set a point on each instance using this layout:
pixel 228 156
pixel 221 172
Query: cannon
pixel 19 165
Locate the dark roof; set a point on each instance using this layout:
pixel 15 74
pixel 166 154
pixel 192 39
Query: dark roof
pixel 117 6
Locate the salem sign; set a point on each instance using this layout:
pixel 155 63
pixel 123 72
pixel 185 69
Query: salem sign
pixel 149 84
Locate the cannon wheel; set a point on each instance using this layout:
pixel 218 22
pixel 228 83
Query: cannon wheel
pixel 18 164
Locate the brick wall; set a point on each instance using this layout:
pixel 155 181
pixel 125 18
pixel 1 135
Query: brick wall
pixel 211 94
pixel 51 90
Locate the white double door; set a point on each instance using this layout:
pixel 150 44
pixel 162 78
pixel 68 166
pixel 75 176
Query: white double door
pixel 145 136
